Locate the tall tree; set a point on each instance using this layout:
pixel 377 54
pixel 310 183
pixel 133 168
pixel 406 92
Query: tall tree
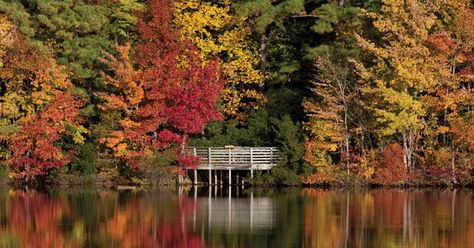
pixel 37 110
pixel 449 103
pixel 402 70
pixel 172 95
pixel 263 13
pixel 216 31
pixel 329 120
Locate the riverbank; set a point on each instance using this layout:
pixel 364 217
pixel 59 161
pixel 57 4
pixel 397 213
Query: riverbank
pixel 280 176
pixel 77 181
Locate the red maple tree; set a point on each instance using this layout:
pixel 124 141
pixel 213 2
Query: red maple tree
pixel 34 148
pixel 180 91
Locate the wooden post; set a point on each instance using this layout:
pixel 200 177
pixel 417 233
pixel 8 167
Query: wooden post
pixel 215 178
pixel 251 162
pixel 228 150
pixel 237 178
pixel 209 157
pixel 251 157
pixel 195 177
pixel 271 155
pixel 230 177
pixel 210 177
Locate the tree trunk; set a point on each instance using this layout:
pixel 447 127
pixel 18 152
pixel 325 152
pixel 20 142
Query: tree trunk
pixel 407 148
pixel 346 136
pixel 263 56
pixel 453 164
pixel 27 165
pixel 362 141
pixel 411 147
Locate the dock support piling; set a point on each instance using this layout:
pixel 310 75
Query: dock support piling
pixel 210 177
pixel 230 177
pixel 195 177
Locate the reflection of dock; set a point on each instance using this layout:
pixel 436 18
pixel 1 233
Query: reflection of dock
pixel 251 213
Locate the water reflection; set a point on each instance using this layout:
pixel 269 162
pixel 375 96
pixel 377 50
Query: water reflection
pixel 231 217
pixel 230 209
pixel 389 218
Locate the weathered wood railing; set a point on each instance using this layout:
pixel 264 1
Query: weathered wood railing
pixel 236 158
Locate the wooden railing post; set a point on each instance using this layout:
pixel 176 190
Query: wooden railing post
pixel 251 157
pixel 209 157
pixel 271 155
pixel 251 162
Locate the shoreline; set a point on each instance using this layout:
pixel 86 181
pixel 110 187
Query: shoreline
pixel 244 186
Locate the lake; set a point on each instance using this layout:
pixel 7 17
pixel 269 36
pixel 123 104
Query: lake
pixel 237 217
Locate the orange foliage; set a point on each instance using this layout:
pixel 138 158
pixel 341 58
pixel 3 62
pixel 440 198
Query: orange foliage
pixel 37 110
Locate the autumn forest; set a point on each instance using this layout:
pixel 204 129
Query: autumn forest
pixel 352 91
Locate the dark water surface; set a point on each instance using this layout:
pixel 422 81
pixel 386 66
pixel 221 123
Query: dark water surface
pixel 244 218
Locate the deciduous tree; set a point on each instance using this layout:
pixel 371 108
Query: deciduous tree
pixel 171 96
pixel 403 68
pixel 37 110
pixel 217 32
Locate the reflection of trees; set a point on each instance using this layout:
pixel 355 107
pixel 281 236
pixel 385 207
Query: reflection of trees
pixel 315 218
pixel 137 224
pixel 388 218
pixel 33 220
pixel 98 219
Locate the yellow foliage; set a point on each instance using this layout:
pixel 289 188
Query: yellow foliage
pixel 215 31
pixel 6 39
pixel 32 79
pixel 404 65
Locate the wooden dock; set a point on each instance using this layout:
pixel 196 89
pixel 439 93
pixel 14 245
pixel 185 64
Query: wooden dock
pixel 221 161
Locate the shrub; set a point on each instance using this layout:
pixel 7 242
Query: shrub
pixel 390 168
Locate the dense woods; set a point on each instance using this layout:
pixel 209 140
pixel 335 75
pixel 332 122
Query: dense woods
pixel 352 91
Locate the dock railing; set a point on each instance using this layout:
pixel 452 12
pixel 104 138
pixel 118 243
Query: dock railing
pixel 241 158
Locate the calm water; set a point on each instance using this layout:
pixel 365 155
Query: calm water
pixel 215 218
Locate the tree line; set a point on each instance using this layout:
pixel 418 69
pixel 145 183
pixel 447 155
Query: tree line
pixel 352 91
